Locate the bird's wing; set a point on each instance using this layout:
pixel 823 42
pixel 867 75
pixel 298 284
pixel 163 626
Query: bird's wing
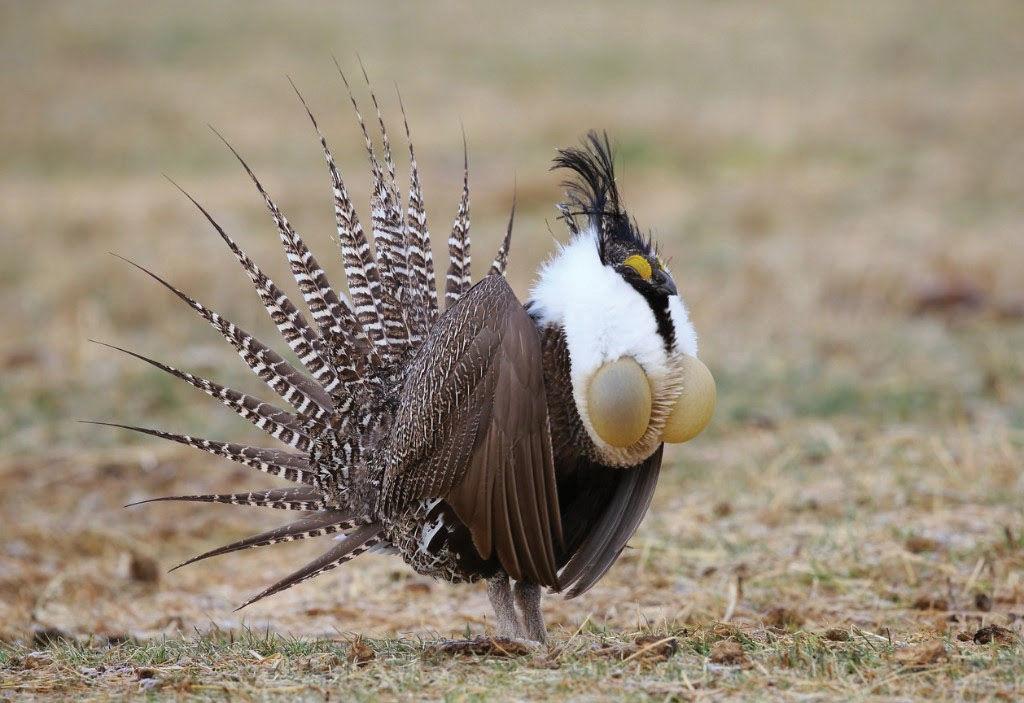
pixel 472 429
pixel 605 513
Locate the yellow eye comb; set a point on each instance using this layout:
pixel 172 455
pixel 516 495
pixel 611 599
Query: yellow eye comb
pixel 641 265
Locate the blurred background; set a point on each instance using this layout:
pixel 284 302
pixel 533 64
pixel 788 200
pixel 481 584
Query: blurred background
pixel 840 192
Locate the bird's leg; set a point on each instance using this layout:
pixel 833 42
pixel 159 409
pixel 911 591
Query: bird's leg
pixel 500 594
pixel 527 597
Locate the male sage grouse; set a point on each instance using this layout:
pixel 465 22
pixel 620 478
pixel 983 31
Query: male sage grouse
pixel 488 440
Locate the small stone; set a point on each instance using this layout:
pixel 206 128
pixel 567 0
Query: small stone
pixel 653 647
pixel 783 618
pixel 141 568
pixel 916 544
pixel 727 652
pixel 996 634
pixel 360 653
pixel 836 634
pixel 921 654
pixel 323 662
pixel 47 636
pixel 32 660
pixel 930 602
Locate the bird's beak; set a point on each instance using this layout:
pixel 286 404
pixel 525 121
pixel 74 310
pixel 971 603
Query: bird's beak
pixel 663 283
pixel 695 405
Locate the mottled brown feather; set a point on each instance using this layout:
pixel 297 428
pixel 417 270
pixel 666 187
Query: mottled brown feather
pixel 473 429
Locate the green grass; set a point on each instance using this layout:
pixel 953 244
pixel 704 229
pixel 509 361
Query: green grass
pixel 650 664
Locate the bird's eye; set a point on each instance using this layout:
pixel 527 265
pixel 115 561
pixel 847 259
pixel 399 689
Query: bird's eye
pixel 641 265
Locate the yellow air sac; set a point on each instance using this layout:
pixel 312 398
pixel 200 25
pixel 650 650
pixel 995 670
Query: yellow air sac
pixel 619 402
pixel 696 404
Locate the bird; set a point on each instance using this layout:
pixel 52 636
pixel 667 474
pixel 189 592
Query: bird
pixel 475 436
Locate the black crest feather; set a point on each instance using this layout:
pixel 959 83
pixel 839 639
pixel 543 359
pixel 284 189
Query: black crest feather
pixel 594 193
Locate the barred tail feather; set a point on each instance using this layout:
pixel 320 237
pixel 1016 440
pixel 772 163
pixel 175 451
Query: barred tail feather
pixel 292 325
pixel 421 257
pixel 459 278
pixel 359 541
pixel 321 523
pixel 389 162
pixel 304 394
pixel 274 462
pixel 333 314
pixel 299 498
pixel 391 237
pixel 360 268
pixel 501 258
pixel 386 237
pixel 351 348
pixel 279 424
pixel 566 215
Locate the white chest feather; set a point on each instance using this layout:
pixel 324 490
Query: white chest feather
pixel 604 319
pixel 603 316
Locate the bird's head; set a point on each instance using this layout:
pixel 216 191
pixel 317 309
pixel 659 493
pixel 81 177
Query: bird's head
pixel 636 379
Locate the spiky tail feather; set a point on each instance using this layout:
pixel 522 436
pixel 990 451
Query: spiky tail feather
pixel 421 258
pixel 360 268
pixel 501 258
pixel 303 498
pixel 291 323
pixel 304 394
pixel 460 277
pixel 325 522
pixel 394 302
pixel 393 337
pixel 279 424
pixel 390 236
pixel 357 542
pixel 273 462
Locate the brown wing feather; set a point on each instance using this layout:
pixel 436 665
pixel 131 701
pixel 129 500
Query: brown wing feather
pixel 473 430
pixel 606 513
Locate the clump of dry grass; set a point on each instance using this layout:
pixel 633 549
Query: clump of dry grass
pixel 840 195
pixel 671 661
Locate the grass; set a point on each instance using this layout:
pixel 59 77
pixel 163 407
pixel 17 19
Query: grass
pixel 839 193
pixel 665 662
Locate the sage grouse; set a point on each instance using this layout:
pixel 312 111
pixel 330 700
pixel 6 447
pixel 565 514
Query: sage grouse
pixel 490 440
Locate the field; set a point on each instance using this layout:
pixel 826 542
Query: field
pixel 840 192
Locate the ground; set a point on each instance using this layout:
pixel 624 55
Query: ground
pixel 839 190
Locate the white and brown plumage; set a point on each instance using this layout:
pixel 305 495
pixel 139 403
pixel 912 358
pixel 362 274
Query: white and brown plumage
pixel 491 441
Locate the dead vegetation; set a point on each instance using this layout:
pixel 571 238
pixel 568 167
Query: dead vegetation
pixel 840 193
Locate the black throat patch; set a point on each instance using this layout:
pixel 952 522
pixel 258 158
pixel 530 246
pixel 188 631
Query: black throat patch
pixel 658 302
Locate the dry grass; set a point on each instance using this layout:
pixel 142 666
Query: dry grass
pixel 841 195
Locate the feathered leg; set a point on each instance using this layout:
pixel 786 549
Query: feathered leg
pixel 527 599
pixel 500 594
